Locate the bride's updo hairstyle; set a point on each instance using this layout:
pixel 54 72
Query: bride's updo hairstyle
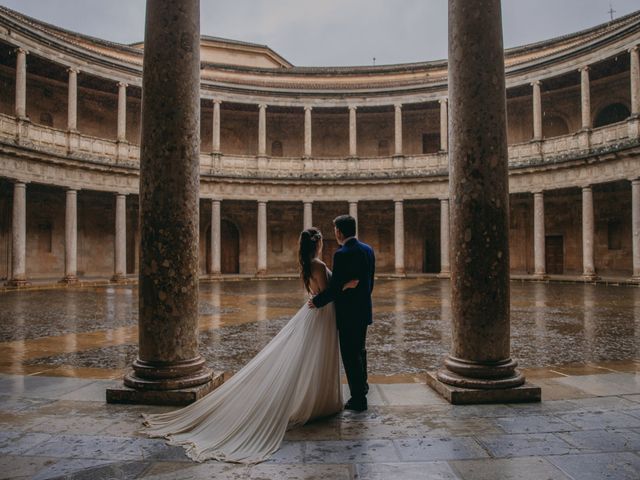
pixel 309 240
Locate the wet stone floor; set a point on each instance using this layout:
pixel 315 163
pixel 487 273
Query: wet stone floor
pixel 95 328
pixel 61 349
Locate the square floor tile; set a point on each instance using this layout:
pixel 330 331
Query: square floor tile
pixel 406 471
pixel 527 468
pixel 533 424
pixel 525 445
pixel 350 451
pixel 598 466
pixel 435 448
pixel 603 440
pixel 600 420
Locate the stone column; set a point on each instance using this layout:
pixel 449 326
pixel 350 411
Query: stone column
pixel 398 243
pixel 539 263
pixel 169 369
pixel 444 124
pixel 353 211
pixel 120 243
pixel 21 82
pixel 216 239
pixel 308 215
pixel 634 72
pixel 479 367
pixel 262 238
pixel 19 236
pixel 71 237
pixel 307 132
pixel 215 141
pixel 537 111
pixel 585 96
pixel 588 264
pixel 72 101
pixel 353 136
pixel 635 227
pixel 398 129
pixel 445 266
pixel 262 130
pixel 122 112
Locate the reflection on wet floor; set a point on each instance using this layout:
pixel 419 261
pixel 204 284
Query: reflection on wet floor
pixel 89 331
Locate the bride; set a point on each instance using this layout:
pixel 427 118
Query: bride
pixel 291 381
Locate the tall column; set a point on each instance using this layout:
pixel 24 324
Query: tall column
pixel 479 360
pixel 216 239
pixel 307 131
pixel 71 237
pixel 120 244
pixel 537 111
pixel 262 238
pixel 398 128
pixel 585 96
pixel 588 264
pixel 634 72
pixel 445 266
pixel 72 101
pixel 398 243
pixel 539 263
pixel 262 130
pixel 19 236
pixel 21 82
pixel 635 227
pixel 444 124
pixel 353 211
pixel 169 369
pixel 215 141
pixel 353 134
pixel 122 112
pixel 308 215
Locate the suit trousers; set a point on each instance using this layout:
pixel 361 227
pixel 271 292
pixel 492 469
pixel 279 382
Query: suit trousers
pixel 354 357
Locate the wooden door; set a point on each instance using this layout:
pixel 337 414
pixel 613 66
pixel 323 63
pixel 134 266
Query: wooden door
pixel 230 248
pixel 554 253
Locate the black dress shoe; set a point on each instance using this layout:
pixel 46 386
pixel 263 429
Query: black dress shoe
pixel 356 405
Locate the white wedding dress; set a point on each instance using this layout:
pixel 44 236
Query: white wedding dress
pixel 294 379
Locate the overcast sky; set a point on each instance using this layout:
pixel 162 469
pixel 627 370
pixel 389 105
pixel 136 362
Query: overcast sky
pixel 331 32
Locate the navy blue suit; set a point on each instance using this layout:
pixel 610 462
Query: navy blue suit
pixel 354 260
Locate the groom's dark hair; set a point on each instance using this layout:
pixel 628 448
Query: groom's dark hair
pixel 346 224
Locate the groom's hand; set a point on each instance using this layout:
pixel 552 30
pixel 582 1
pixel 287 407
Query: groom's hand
pixel 310 303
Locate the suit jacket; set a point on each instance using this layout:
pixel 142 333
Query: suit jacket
pixel 354 260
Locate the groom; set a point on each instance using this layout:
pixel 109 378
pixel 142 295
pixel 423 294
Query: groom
pixel 353 260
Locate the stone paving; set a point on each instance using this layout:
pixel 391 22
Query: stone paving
pixel 588 427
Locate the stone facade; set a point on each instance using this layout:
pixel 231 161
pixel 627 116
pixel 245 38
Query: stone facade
pixel 374 138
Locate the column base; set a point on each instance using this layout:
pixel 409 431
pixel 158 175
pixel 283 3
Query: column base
pixel 69 280
pixel 444 275
pixel 635 278
pixel 468 396
pixel 540 276
pixel 177 397
pixel 590 277
pixel 400 272
pixel 17 282
pixel 261 273
pixel 118 278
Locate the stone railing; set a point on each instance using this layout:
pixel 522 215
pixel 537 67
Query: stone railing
pixel 80 147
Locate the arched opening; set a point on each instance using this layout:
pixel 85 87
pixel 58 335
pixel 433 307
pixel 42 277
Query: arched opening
pixel 613 113
pixel 230 248
pixel 276 148
pixel 554 126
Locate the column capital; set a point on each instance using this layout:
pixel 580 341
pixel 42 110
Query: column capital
pixel 75 70
pixel 584 68
pixel 308 201
pixel 22 183
pixel 635 181
pixel 586 187
pixel 443 199
pixel 308 108
pixel 398 200
pixel 216 101
pixel 536 83
pixel 352 201
pixel 123 84
pixel 262 201
pixel 262 106
pixel 635 48
pixel 443 100
pixel 352 107
pixel 397 106
pixel 22 50
pixel 120 194
pixel 537 192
